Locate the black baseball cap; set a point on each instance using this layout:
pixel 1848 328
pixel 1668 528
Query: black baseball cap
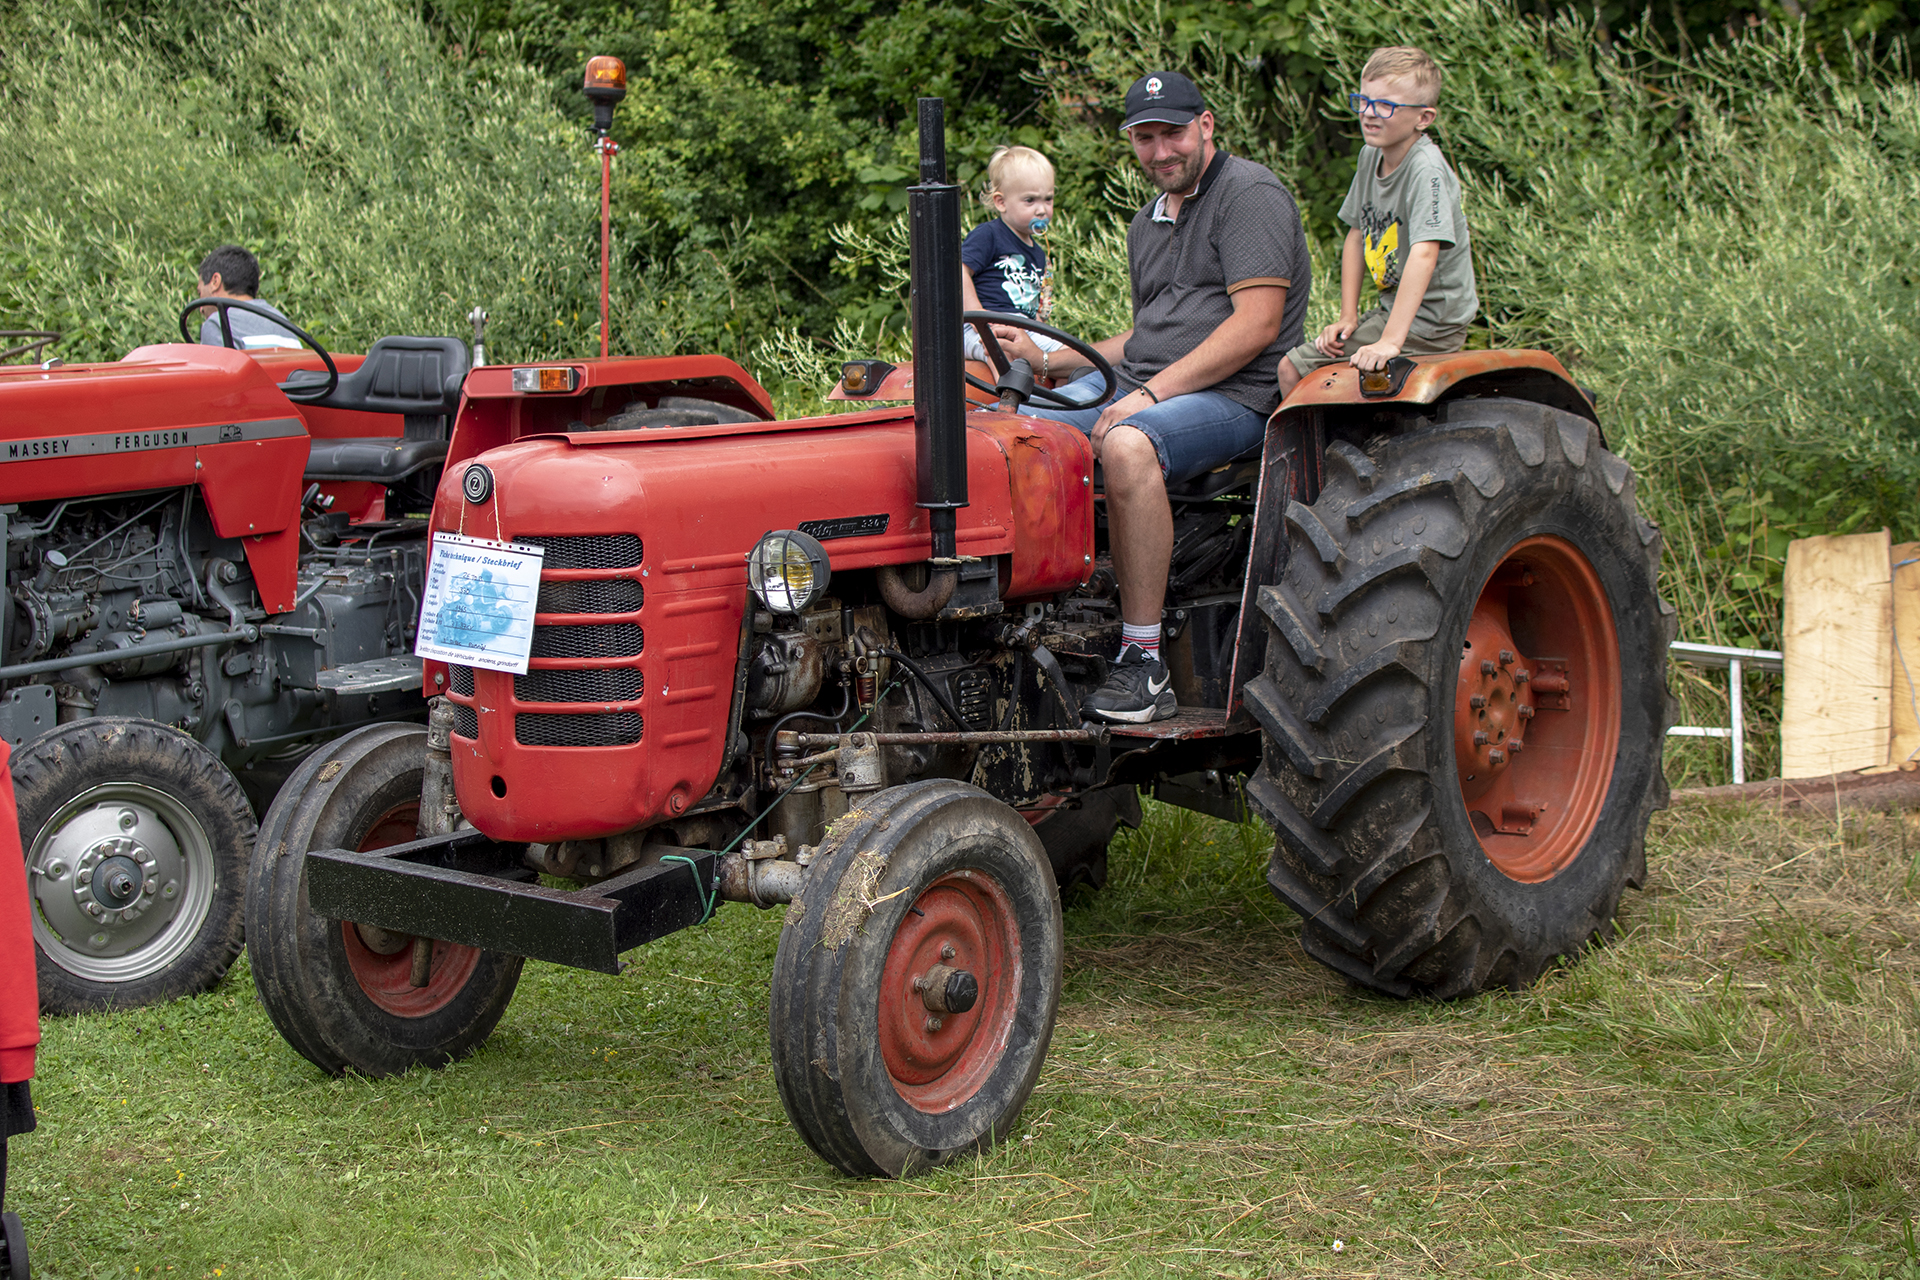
pixel 1165 97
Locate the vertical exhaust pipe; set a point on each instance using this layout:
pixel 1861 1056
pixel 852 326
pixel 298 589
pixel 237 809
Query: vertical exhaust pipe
pixel 939 386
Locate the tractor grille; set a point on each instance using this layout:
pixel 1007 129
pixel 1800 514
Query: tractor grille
pixel 591 551
pixel 600 684
pixel 618 729
pixel 595 640
pixel 460 680
pixel 466 723
pixel 608 595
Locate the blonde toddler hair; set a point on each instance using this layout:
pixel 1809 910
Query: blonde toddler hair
pixel 1005 163
pixel 1402 60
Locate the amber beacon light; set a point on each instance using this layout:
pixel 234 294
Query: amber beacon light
pixel 605 85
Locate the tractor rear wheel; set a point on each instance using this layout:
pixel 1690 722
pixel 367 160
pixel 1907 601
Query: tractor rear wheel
pixel 917 980
pixel 136 840
pixel 1464 702
pixel 341 993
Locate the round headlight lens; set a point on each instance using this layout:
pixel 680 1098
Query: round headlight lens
pixel 788 571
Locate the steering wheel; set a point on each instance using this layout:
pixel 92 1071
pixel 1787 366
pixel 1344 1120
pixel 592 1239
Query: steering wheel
pixel 304 395
pixel 983 322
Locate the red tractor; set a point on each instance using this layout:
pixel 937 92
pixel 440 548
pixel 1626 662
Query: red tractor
pixel 212 563
pixel 837 662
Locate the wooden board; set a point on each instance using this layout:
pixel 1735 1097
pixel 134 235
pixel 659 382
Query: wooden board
pixel 1837 637
pixel 1906 637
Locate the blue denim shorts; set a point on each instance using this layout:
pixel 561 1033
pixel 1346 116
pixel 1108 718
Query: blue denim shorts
pixel 1193 433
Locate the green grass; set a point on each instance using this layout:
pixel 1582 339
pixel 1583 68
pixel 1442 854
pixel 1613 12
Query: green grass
pixel 1728 1090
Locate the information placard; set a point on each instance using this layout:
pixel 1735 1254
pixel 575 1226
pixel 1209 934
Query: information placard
pixel 477 609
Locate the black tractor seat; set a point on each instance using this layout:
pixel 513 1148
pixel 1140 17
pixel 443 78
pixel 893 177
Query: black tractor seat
pixel 417 378
pixel 379 459
pixel 1241 472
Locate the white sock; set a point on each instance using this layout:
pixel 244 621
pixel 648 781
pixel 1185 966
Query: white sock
pixel 1147 638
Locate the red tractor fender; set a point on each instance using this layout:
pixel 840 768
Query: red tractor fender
pixel 1516 373
pixel 166 416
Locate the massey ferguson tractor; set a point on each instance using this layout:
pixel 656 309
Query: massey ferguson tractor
pixel 212 561
pixel 838 662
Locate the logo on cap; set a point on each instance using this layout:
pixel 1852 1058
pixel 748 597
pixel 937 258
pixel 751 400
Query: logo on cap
pixel 1153 86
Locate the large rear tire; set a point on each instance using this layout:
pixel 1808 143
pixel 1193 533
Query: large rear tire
pixel 340 993
pixel 1464 703
pixel 136 840
pixel 930 896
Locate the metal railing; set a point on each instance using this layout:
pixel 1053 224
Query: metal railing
pixel 1736 661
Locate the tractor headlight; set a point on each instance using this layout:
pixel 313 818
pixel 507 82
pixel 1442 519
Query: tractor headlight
pixel 788 571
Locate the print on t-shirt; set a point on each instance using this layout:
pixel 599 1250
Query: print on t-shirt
pixel 1381 232
pixel 1021 282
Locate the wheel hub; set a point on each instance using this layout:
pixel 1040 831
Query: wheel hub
pixel 947 991
pixel 108 880
pixel 1537 708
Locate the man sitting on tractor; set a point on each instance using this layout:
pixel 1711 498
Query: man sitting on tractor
pixel 1220 276
pixel 232 272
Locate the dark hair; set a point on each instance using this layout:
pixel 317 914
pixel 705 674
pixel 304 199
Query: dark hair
pixel 239 270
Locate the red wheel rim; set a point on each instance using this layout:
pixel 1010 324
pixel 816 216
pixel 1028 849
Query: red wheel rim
pixel 1536 716
pixel 388 979
pixel 939 1060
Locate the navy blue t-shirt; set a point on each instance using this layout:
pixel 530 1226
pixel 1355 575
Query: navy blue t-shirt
pixel 1006 269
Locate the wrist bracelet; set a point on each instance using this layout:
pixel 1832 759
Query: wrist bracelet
pixel 1149 390
pixel 1045 363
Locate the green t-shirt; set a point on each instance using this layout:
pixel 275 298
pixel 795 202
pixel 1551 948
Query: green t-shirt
pixel 1418 201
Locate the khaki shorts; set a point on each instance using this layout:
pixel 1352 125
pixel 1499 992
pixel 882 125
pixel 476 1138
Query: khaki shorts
pixel 1422 340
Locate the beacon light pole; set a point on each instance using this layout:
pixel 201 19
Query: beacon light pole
pixel 606 84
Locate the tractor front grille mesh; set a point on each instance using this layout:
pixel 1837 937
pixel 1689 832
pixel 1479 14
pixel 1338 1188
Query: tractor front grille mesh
pixel 460 680
pixel 594 640
pixel 606 595
pixel 601 684
pixel 619 729
pixel 466 723
pixel 588 551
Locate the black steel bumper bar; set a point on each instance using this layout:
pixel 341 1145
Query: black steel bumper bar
pixel 470 889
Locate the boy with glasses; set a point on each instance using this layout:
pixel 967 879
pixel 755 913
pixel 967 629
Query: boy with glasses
pixel 1406 230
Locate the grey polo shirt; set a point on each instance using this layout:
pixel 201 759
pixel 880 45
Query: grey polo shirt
pixel 1238 228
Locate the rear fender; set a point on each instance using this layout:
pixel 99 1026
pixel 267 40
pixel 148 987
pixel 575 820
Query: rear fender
pixel 1326 406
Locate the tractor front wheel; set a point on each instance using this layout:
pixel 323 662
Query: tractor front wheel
pixel 136 840
pixel 917 980
pixel 341 993
pixel 1464 701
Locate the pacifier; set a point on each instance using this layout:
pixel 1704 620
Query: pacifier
pixel 1039 224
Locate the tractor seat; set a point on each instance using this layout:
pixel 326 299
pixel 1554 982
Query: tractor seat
pixel 380 460
pixel 1241 472
pixel 419 377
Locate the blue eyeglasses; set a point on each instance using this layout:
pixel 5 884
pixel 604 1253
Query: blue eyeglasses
pixel 1380 107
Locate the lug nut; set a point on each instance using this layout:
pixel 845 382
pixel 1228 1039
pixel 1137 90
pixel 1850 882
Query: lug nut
pixel 1521 677
pixel 1514 745
pixel 1506 657
pixel 933 1024
pixel 1487 668
pixel 1497 757
pixel 1477 701
pixel 1526 712
pixel 946 951
pixel 1480 739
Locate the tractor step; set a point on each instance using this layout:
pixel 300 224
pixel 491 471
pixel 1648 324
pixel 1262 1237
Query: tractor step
pixel 375 675
pixel 471 889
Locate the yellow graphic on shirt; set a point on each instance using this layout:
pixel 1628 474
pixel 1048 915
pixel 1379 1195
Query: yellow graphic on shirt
pixel 1383 254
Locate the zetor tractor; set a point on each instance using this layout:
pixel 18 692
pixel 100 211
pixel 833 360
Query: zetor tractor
pixel 208 567
pixel 838 663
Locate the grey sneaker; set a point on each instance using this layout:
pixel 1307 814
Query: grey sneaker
pixel 1139 689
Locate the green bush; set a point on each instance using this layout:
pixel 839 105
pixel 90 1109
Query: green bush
pixel 384 188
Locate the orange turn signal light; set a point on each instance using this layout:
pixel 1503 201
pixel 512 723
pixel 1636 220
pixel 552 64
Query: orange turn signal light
pixel 548 378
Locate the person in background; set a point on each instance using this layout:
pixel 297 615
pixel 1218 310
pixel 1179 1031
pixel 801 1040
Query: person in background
pixel 1407 230
pixel 231 272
